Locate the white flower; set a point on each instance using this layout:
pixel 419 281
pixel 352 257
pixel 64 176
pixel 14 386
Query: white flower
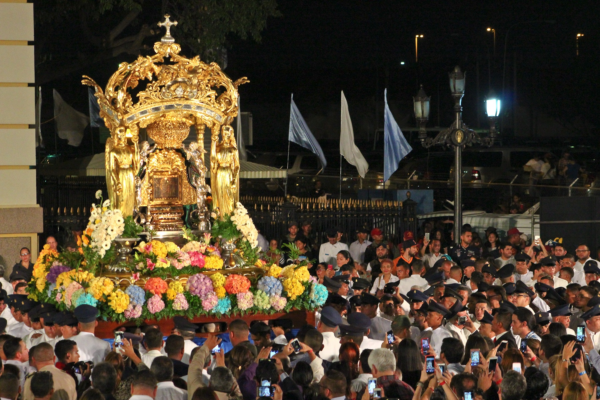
pixel 106 203
pixel 99 194
pixel 111 230
pixel 108 213
pixel 117 212
pixel 106 245
pixel 119 220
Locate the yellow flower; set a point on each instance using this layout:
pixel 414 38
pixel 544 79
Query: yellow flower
pixel 159 249
pixel 40 284
pixel 213 262
pixel 293 287
pixel 177 287
pixel 171 294
pixel 171 247
pixel 274 271
pixel 221 292
pixel 302 274
pixel 218 279
pixel 259 264
pixel 66 278
pixel 100 287
pixel 162 263
pixel 288 272
pixel 118 301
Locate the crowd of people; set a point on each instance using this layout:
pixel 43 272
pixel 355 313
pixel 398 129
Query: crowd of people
pixel 509 320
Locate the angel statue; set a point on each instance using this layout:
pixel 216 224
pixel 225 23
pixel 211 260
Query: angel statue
pixel 194 153
pixel 224 170
pixel 120 159
pixel 145 150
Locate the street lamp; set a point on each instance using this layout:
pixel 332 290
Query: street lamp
pixel 421 102
pixel 417 37
pixel 577 43
pixel 492 107
pixel 457 135
pixel 494 32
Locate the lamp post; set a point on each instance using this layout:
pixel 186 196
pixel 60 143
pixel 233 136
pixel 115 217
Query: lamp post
pixel 417 37
pixel 494 32
pixel 577 43
pixel 457 135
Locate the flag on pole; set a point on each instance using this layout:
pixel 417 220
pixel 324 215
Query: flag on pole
pixel 347 147
pixel 70 123
pixel 395 145
pixel 301 134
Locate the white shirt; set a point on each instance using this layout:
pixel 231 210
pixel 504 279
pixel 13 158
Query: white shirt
pixel 317 369
pixel 188 346
pixel 502 262
pixel 526 278
pixel 150 356
pixel 19 330
pixel 168 391
pixel 370 344
pixel 379 283
pixel 360 382
pixel 413 280
pixel 140 397
pixel 560 282
pixel 579 277
pixel 6 286
pixel 357 250
pixel 25 369
pixel 437 336
pixel 328 252
pixel 90 347
pixel 262 243
pixel 460 332
pixel 431 258
pixel 541 304
pixel 7 315
pixel 29 342
pixel 331 347
pixel 579 265
pixel 595 336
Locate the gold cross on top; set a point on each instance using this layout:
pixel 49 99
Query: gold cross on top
pixel 167 24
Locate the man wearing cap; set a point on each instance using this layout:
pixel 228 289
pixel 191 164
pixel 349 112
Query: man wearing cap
pixel 344 281
pixel 292 234
pixel 457 329
pixel 415 279
pixel 328 325
pixel 411 249
pixel 329 250
pixel 332 285
pixel 591 270
pixel 524 294
pixel 358 331
pixel 66 324
pixel 549 267
pixel 435 248
pixel 187 330
pixel 522 272
pixel 543 319
pixel 562 314
pixel 592 321
pixel 5 309
pixel 32 338
pixel 377 239
pixel 435 318
pixel 359 285
pixel 514 238
pixel 90 347
pixel 358 248
pixel 485 325
pixel 464 250
pixel 379 325
pixel 19 306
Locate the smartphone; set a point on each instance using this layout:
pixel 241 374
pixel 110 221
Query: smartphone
pixel 468 395
pixel 537 240
pixel 581 334
pixel 492 364
pixel 118 339
pixel 430 368
pixel 265 391
pixel 475 354
pixel 330 267
pixel 577 352
pixel 296 346
pixel 499 359
pixel 372 385
pixel 301 258
pixel 523 346
pixel 273 352
pixel 462 320
pixel 517 367
pixel 598 391
pixel 503 346
pixel 390 337
pixel 216 350
pixel 377 393
pixel 442 367
pixel 427 236
pixel 425 345
pixel 265 382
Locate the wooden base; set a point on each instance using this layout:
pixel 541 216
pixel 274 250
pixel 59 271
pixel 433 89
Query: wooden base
pixel 105 329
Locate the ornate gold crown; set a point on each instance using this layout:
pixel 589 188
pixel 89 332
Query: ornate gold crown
pixel 184 90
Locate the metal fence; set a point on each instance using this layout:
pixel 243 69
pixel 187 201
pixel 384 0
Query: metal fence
pixel 272 216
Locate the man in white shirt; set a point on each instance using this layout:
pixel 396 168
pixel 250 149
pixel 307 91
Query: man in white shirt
pixel 20 305
pixel 143 386
pixel 522 272
pixel 562 314
pixel 17 354
pixel 328 251
pixel 188 331
pixel 415 279
pixel 153 342
pixel 5 310
pixel 435 247
pixel 583 254
pixel 90 347
pixel 591 271
pixel 328 325
pixel 506 255
pixel 549 267
pixel 357 249
pixel 357 331
pixel 5 284
pixel 592 321
pixel 435 319
pixel 162 368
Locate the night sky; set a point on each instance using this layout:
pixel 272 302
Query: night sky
pixel 318 48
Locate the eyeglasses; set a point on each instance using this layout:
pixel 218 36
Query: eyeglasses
pixel 24 254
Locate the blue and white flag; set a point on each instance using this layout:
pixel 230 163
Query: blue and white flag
pixel 395 145
pixel 95 120
pixel 301 134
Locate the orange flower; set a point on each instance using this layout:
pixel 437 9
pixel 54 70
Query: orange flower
pixel 236 284
pixel 156 286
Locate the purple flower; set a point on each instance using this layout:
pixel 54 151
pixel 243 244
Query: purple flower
pixel 199 285
pixel 55 271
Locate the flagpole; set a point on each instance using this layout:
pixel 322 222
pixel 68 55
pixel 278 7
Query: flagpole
pixel 287 173
pixel 341 162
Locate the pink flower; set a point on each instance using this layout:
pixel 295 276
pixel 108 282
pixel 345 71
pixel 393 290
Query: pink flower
pixel 150 264
pixel 135 277
pixel 133 311
pixel 278 302
pixel 73 286
pixel 209 301
pixel 180 302
pixel 196 259
pixel 155 304
pixel 245 300
pixel 148 248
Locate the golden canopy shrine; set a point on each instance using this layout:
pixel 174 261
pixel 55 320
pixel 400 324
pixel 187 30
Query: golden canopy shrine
pixel 152 182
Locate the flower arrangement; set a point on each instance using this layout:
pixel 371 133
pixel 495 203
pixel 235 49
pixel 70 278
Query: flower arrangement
pixel 118 301
pixel 104 226
pixel 293 288
pixel 213 262
pixel 235 284
pixel 199 285
pixel 156 286
pixel 270 285
pixel 100 288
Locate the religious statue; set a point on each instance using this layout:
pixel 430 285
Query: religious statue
pixel 224 169
pixel 120 158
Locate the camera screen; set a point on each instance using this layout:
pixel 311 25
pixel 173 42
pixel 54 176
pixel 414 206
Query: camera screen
pixel 273 352
pixel 296 346
pixel 391 338
pixel 216 349
pixel 524 346
pixel 425 345
pixel 377 393
pixel 430 368
pixel 492 366
pixel 372 384
pixel 468 396
pixel 581 334
pixel 264 391
pixel 475 358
